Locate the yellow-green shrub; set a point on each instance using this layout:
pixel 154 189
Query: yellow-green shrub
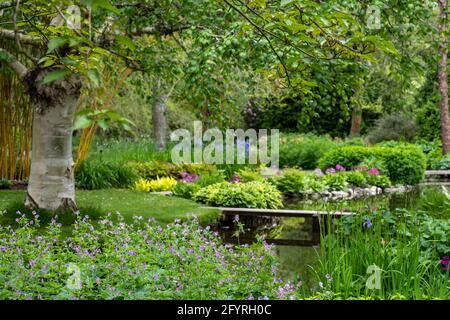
pixel 156 185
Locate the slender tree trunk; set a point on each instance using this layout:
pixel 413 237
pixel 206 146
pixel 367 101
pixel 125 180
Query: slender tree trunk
pixel 52 184
pixel 443 77
pixel 355 130
pixel 159 118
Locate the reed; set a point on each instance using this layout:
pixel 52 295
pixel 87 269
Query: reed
pixel 16 118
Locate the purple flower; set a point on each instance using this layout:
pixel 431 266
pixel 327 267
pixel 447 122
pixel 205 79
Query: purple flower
pixel 445 263
pixel 319 173
pixel 374 171
pixel 340 167
pixel 236 218
pixel 131 253
pixel 367 223
pixel 331 171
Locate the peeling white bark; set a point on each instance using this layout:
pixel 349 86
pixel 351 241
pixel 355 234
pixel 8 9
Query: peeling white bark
pixel 52 184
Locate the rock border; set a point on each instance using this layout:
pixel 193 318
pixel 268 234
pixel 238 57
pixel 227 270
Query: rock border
pixel 354 193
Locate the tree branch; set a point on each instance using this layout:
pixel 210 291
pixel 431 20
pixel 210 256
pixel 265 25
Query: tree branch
pixel 14 64
pixel 24 39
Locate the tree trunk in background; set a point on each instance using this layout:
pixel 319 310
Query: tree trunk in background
pixel 52 184
pixel 159 118
pixel 355 130
pixel 443 80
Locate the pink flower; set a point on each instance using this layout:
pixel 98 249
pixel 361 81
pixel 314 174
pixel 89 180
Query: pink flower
pixel 374 171
pixel 235 178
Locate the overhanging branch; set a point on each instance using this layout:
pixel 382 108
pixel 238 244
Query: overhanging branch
pixel 24 39
pixel 15 64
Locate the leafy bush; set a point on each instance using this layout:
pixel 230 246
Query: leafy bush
pixel 312 183
pixel 140 261
pixel 291 182
pixel 303 151
pixel 156 185
pixel 209 179
pixel 92 175
pixel 432 150
pixel 380 181
pixel 398 126
pixel 335 181
pixel 404 164
pixel 355 178
pixel 443 164
pixel 246 195
pixel 247 175
pixel 185 190
pixel 155 169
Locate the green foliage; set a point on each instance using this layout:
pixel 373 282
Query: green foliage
pixel 247 175
pixel 405 164
pixel 103 175
pixel 243 195
pixel 92 253
pixel 303 151
pixel 154 169
pixel 314 184
pixel 442 164
pixel 185 190
pixel 335 181
pixel 4 184
pixel 291 181
pixel 406 247
pixel 355 178
pixel 435 203
pixel 380 181
pixel 432 150
pixel 396 126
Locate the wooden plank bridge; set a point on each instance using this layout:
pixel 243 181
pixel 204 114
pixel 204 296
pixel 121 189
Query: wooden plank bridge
pixel 247 215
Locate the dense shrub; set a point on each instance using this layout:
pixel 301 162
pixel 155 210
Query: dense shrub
pixel 396 126
pixel 103 175
pixel 155 185
pixel 185 190
pixel 113 260
pixel 433 152
pixel 442 164
pixel 247 175
pixel 405 164
pixel 355 178
pixel 291 182
pixel 245 195
pixel 335 181
pixel 379 181
pixel 303 151
pixel 155 169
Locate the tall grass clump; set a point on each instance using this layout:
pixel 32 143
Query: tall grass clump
pixel 407 255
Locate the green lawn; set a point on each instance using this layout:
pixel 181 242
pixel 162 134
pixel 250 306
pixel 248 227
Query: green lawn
pixel 164 209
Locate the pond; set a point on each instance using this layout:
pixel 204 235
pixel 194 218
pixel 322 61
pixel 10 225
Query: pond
pixel 297 262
